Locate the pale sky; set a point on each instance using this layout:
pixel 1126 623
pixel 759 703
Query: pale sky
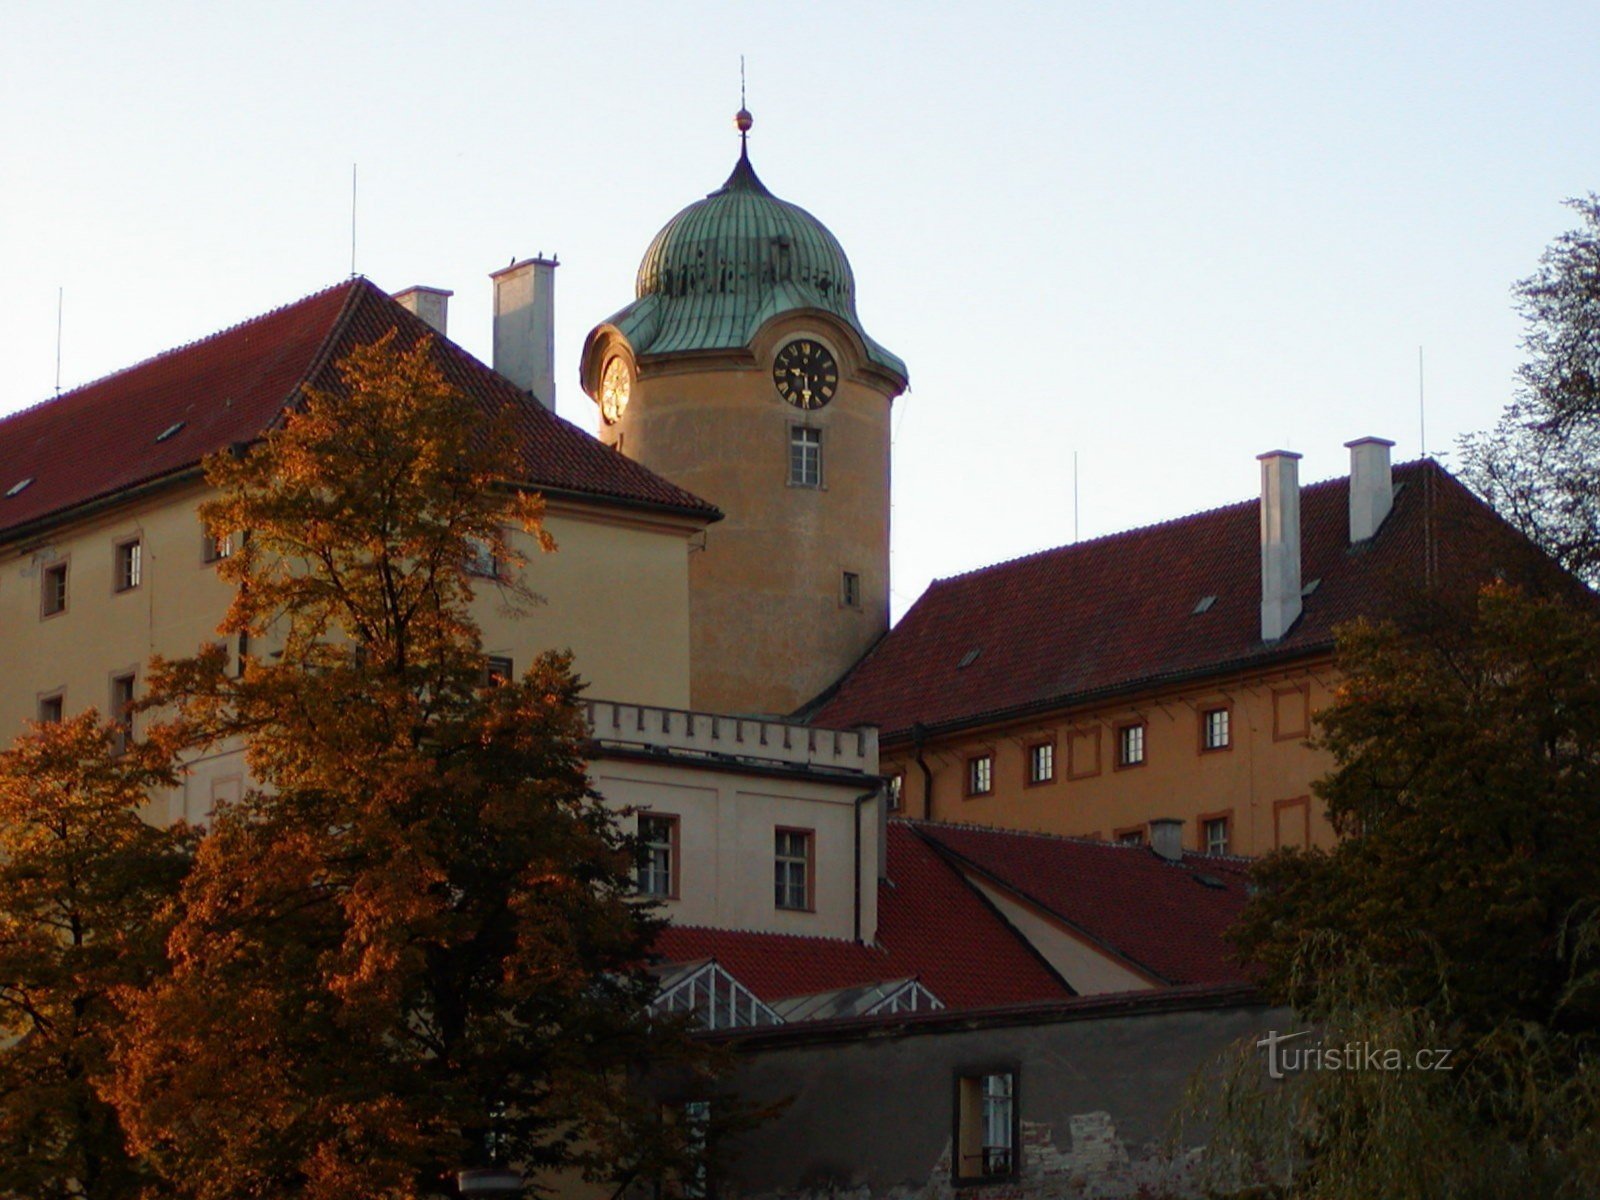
pixel 1166 237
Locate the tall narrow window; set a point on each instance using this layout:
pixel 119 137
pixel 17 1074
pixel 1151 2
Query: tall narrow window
pixel 1215 832
pixel 53 597
pixel 805 456
pixel 792 869
pixel 1041 762
pixel 986 1125
pixel 1130 745
pixel 658 855
pixel 980 775
pixel 1215 732
pixel 850 590
pixel 129 565
pixel 122 707
pixel 896 791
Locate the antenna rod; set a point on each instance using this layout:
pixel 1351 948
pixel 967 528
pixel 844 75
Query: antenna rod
pixel 1074 495
pixel 60 294
pixel 1422 407
pixel 352 220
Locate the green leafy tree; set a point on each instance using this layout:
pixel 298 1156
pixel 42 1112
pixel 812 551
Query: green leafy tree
pixel 414 947
pixel 1540 465
pixel 84 882
pixel 1459 910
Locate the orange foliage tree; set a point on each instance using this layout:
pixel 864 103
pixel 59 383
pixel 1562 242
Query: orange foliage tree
pixel 414 947
pixel 83 883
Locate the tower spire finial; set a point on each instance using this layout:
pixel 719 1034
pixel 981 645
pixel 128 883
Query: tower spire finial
pixel 742 119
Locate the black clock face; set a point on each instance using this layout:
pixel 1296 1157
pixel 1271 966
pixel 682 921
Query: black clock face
pixel 805 373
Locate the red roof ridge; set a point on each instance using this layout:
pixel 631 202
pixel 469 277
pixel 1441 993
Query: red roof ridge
pixel 183 347
pixel 1136 530
pixel 1191 858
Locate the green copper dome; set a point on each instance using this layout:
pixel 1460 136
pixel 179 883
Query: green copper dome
pixel 726 265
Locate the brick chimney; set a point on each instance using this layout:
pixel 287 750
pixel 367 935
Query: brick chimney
pixel 525 326
pixel 1371 486
pixel 431 304
pixel 1280 542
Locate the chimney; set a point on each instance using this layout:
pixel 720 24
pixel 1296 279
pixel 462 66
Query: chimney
pixel 525 327
pixel 431 304
pixel 1371 486
pixel 1280 542
pixel 1166 838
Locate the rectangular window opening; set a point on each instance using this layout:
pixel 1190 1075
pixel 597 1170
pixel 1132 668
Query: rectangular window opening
pixel 986 1126
pixel 658 855
pixel 1215 731
pixel 1042 762
pixel 896 788
pixel 1215 833
pixel 1130 745
pixel 980 775
pixel 850 590
pixel 122 708
pixel 792 869
pixel 805 456
pixel 129 565
pixel 214 549
pixel 51 709
pixel 54 594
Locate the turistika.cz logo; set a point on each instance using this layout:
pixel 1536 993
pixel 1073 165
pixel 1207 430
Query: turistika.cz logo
pixel 1346 1056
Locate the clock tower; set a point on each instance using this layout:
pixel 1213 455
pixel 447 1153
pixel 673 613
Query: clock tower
pixel 742 372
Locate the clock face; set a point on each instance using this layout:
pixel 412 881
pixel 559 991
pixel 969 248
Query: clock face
pixel 805 373
pixel 614 387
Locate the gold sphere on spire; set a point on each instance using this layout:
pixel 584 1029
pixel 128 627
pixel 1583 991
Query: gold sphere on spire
pixel 743 120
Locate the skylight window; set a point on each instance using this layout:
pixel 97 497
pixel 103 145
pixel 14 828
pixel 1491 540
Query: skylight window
pixel 18 486
pixel 169 431
pixel 1311 587
pixel 970 657
pixel 1204 604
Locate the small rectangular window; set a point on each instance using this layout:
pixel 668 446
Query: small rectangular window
pixel 498 669
pixel 1215 833
pixel 805 456
pixel 1131 836
pixel 1214 729
pixel 980 775
pixel 896 791
pixel 850 590
pixel 53 597
pixel 658 855
pixel 51 709
pixel 122 707
pixel 1130 745
pixel 214 549
pixel 792 869
pixel 129 565
pixel 1042 762
pixel 482 561
pixel 986 1126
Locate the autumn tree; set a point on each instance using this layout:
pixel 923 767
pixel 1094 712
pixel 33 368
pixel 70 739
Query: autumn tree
pixel 83 884
pixel 1540 465
pixel 413 947
pixel 1459 910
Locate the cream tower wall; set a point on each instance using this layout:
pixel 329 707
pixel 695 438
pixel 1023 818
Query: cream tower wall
pixel 615 592
pixel 769 624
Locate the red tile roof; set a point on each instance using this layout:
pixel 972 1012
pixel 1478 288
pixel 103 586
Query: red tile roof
pixel 1153 913
pixel 931 925
pixel 1117 613
pixel 101 439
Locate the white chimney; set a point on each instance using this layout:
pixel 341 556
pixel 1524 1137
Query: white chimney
pixel 431 304
pixel 1166 838
pixel 525 326
pixel 1371 486
pixel 1280 542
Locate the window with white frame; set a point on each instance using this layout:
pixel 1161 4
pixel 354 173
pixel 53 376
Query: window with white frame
pixel 805 456
pixel 895 789
pixel 1041 762
pixel 658 855
pixel 1215 731
pixel 1215 832
pixel 986 1125
pixel 215 549
pixel 980 775
pixel 1130 745
pixel 129 565
pixel 792 869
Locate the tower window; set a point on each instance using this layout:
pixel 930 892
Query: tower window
pixel 850 590
pixel 805 456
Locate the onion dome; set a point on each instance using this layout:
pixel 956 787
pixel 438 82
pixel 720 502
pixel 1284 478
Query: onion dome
pixel 726 265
